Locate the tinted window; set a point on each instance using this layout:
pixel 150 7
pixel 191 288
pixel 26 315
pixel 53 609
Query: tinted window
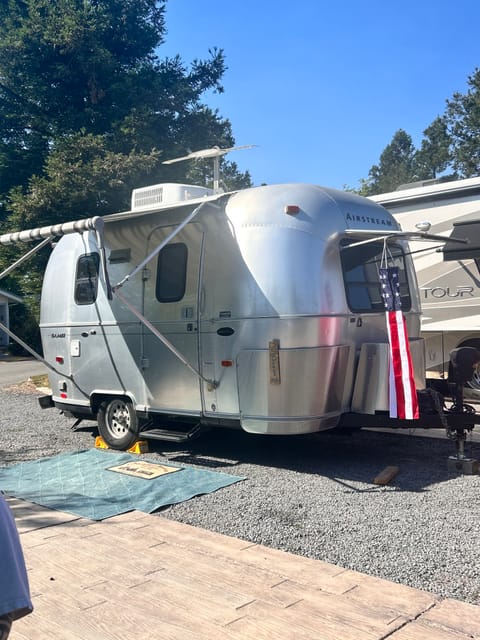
pixel 86 279
pixel 361 276
pixel 171 273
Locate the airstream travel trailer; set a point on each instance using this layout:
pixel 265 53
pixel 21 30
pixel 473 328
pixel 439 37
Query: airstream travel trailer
pixel 260 309
pixel 449 291
pixel 261 304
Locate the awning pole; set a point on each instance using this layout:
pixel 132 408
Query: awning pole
pixel 25 257
pixel 159 247
pixel 26 347
pixel 212 384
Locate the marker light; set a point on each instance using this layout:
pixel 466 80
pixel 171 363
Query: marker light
pixel 59 359
pixel 227 363
pixel 292 209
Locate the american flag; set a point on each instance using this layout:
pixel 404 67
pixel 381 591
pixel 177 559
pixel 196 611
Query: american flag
pixel 402 392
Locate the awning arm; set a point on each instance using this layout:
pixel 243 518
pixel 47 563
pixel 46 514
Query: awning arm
pixel 211 383
pixel 49 233
pixel 157 249
pixel 375 236
pixel 115 289
pixel 99 224
pixel 31 351
pixel 25 257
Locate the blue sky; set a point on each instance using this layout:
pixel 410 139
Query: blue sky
pixel 321 87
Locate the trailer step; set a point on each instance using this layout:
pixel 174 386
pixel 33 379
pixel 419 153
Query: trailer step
pixel 172 435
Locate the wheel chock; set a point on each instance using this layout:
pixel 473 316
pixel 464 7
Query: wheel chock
pixel 100 443
pixel 140 446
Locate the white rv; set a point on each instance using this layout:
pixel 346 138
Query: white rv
pixel 449 291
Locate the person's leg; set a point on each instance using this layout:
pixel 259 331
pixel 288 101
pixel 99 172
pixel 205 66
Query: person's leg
pixel 15 600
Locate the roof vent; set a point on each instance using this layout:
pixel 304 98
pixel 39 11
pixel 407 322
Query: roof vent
pixel 158 195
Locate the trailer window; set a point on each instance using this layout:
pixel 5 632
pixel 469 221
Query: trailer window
pixel 171 273
pixel 86 278
pixel 361 276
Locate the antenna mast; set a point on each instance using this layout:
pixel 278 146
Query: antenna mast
pixel 215 153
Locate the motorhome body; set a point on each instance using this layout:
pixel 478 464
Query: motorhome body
pixel 449 291
pixel 262 304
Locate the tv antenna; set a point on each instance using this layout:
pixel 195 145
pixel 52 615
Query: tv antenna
pixel 215 153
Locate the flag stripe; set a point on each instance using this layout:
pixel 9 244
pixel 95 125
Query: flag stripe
pixel 402 393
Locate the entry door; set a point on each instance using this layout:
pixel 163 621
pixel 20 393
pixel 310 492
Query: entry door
pixel 170 303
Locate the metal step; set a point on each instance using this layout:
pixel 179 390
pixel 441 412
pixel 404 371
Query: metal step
pixel 171 435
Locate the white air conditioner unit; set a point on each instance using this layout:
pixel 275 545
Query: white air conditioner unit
pixel 158 195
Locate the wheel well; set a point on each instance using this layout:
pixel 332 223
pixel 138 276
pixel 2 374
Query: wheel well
pixel 474 382
pixel 472 342
pixel 96 399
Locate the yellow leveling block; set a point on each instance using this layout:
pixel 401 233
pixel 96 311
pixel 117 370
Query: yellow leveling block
pixel 140 446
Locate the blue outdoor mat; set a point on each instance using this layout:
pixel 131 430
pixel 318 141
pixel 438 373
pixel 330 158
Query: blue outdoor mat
pixel 81 483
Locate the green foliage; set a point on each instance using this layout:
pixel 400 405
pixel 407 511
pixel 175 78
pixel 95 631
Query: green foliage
pixel 24 323
pixel 400 163
pixel 396 166
pixel 434 156
pixel 68 66
pixel 64 64
pixel 81 176
pixel 87 113
pixel 463 121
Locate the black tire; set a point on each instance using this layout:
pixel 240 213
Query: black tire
pixel 118 423
pixel 474 383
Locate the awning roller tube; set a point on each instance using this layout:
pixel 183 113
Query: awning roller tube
pixel 29 235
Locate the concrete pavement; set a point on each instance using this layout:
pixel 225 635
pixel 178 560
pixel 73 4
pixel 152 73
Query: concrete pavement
pixel 15 370
pixel 146 577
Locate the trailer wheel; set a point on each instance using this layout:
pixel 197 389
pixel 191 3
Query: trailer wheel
pixel 474 383
pixel 118 423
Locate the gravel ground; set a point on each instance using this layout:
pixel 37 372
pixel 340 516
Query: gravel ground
pixel 312 496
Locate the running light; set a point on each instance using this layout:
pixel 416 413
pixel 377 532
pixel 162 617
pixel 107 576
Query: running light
pixel 292 209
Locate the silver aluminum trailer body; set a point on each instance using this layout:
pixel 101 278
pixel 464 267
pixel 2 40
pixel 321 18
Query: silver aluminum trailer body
pixel 449 291
pixel 257 293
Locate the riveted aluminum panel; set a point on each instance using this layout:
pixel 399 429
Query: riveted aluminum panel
pixel 311 388
pixel 371 383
